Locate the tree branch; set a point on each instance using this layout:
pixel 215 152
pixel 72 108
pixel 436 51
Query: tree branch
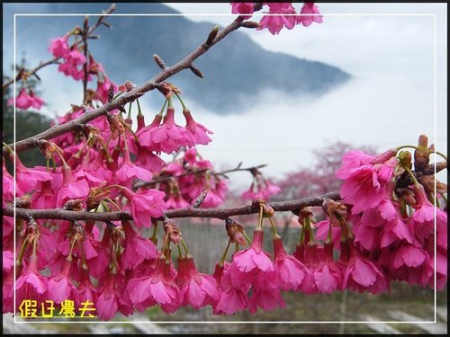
pixel 137 92
pixel 219 213
pixel 222 173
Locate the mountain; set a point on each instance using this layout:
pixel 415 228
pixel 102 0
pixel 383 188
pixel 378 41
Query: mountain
pixel 236 69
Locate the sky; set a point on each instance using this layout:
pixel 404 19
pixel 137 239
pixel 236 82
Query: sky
pixel 397 54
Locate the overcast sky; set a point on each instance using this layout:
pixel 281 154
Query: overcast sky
pixel 397 54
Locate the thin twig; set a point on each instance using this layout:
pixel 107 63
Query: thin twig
pixel 166 178
pixel 30 72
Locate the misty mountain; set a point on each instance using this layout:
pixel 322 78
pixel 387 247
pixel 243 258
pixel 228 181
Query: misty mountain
pixel 236 69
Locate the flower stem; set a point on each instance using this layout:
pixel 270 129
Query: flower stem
pixel 406 147
pixel 21 252
pixel 113 203
pixel 139 107
pixel 413 177
pixel 117 95
pixel 129 110
pixel 441 154
pixel 274 230
pixel 246 237
pixel 224 256
pixel 7 146
pixel 164 106
pixel 180 254
pixel 261 215
pixel 329 237
pixel 181 101
pixel 155 230
pixel 185 247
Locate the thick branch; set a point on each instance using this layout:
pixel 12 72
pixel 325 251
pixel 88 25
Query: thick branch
pixel 30 142
pixel 219 213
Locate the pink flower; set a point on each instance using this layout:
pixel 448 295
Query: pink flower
pixel 148 160
pixel 88 172
pixel 8 186
pixel 103 89
pixel 86 290
pixel 145 204
pixel 27 179
pixel 69 69
pixel 136 248
pixel 328 274
pixel 308 255
pixel 230 299
pixel 242 8
pixel 322 232
pixel 361 274
pixel 110 299
pixel 311 14
pixel 366 186
pixel 128 171
pixel 37 102
pixel 61 287
pixel 196 133
pixel 441 271
pixel 72 60
pixel 408 255
pixel 216 194
pixel 260 188
pixel 169 136
pixel 351 161
pixel 250 264
pixel 277 22
pixel 145 137
pixel 157 288
pixel 190 156
pixel 291 271
pixel 8 292
pixel 423 215
pixel 71 189
pixel 23 100
pixel 59 47
pixel 8 260
pixel 197 289
pixel 75 57
pixel 31 285
pixel 176 201
pixel 266 298
pixel 270 190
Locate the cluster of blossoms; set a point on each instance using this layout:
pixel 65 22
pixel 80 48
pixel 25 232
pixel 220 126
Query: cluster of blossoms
pixel 188 178
pixel 280 14
pixel 79 65
pixel 260 188
pixel 397 212
pixel 26 100
pixel 95 168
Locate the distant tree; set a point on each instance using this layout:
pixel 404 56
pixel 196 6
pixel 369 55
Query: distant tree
pixel 28 123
